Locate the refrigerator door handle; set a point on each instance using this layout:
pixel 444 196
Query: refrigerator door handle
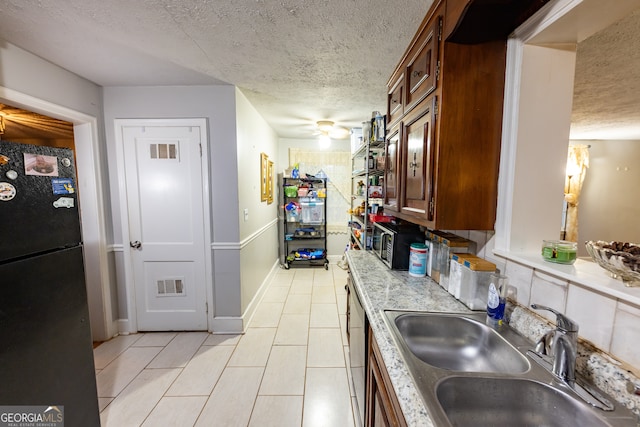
pixel 136 244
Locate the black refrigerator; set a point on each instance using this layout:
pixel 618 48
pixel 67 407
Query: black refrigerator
pixel 46 352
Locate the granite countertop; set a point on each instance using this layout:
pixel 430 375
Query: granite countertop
pixel 380 288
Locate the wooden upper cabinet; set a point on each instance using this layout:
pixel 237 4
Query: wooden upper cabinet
pixel 392 167
pixel 423 65
pixel 418 148
pixel 450 128
pixel 395 99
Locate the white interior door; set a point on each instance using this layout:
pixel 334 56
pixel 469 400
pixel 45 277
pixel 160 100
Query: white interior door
pixel 164 180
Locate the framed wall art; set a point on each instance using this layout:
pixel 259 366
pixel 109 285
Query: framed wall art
pixel 270 183
pixel 264 172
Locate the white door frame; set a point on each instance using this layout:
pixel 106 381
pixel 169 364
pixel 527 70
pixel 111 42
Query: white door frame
pixel 119 124
pixel 91 197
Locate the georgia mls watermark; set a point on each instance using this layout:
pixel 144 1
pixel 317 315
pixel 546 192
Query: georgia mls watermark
pixel 32 416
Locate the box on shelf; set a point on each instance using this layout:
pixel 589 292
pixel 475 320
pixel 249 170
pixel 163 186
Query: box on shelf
pixel 381 218
pixel 375 191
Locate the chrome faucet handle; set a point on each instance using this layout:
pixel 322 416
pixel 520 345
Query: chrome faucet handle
pixel 544 346
pixel 562 322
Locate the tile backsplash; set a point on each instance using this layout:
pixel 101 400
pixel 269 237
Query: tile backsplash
pixel 608 352
pixel 609 324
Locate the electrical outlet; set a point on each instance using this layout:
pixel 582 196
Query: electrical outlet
pixel 246 214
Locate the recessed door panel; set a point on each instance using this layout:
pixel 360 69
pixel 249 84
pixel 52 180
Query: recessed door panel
pixel 166 225
pixel 419 148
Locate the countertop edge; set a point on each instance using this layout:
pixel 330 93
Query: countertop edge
pixel 382 289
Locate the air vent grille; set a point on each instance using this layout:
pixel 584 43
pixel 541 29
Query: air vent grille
pixel 163 151
pixel 170 287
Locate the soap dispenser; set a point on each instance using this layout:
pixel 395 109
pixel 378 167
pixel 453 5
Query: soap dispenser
pixel 496 299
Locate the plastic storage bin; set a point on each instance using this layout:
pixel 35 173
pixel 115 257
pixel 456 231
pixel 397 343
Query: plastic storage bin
pixel 474 285
pixel 452 244
pixel 434 262
pixel 455 272
pixel 311 211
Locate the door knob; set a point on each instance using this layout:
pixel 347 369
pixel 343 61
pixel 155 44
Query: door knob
pixel 135 245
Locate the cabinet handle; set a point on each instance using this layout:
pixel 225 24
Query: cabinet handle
pixel 417 73
pixel 394 101
pixel 414 164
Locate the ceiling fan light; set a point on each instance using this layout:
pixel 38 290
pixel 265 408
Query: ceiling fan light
pixel 325 125
pixel 324 140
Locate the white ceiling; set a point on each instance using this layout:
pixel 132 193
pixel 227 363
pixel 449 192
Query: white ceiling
pixel 296 61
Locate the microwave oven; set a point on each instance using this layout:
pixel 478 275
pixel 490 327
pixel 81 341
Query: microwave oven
pixel 392 243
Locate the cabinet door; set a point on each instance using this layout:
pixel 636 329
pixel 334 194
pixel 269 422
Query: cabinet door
pixel 391 185
pixel 423 67
pixel 395 100
pixel 418 148
pixel 383 408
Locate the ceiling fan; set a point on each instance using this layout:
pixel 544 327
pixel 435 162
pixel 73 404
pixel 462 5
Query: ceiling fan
pixel 326 130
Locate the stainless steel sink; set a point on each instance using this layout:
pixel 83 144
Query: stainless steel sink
pixel 458 344
pixel 476 402
pixel 470 374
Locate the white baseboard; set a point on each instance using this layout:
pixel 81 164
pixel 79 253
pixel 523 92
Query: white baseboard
pixel 227 325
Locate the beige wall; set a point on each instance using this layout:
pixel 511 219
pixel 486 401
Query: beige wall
pixel 610 199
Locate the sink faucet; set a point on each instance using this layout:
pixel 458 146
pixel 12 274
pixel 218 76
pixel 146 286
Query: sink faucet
pixel 561 344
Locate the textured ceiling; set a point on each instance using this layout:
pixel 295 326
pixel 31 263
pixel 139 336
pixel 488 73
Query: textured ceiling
pixel 606 98
pixel 296 61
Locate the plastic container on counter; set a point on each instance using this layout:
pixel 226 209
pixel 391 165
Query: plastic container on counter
pixel 559 251
pixel 449 244
pixel 418 259
pixel 455 272
pixel 433 261
pixel 474 287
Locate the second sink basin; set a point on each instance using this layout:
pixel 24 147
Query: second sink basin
pixel 458 343
pixel 476 402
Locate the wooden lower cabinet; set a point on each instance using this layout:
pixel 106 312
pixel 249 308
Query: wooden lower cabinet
pixel 382 406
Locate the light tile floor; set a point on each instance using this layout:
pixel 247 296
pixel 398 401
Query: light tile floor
pixel 290 368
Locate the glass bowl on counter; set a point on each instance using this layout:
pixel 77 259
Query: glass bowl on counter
pixel 559 251
pixel 622 260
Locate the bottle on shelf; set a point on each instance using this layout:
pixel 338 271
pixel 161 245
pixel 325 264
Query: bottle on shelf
pixel 377 127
